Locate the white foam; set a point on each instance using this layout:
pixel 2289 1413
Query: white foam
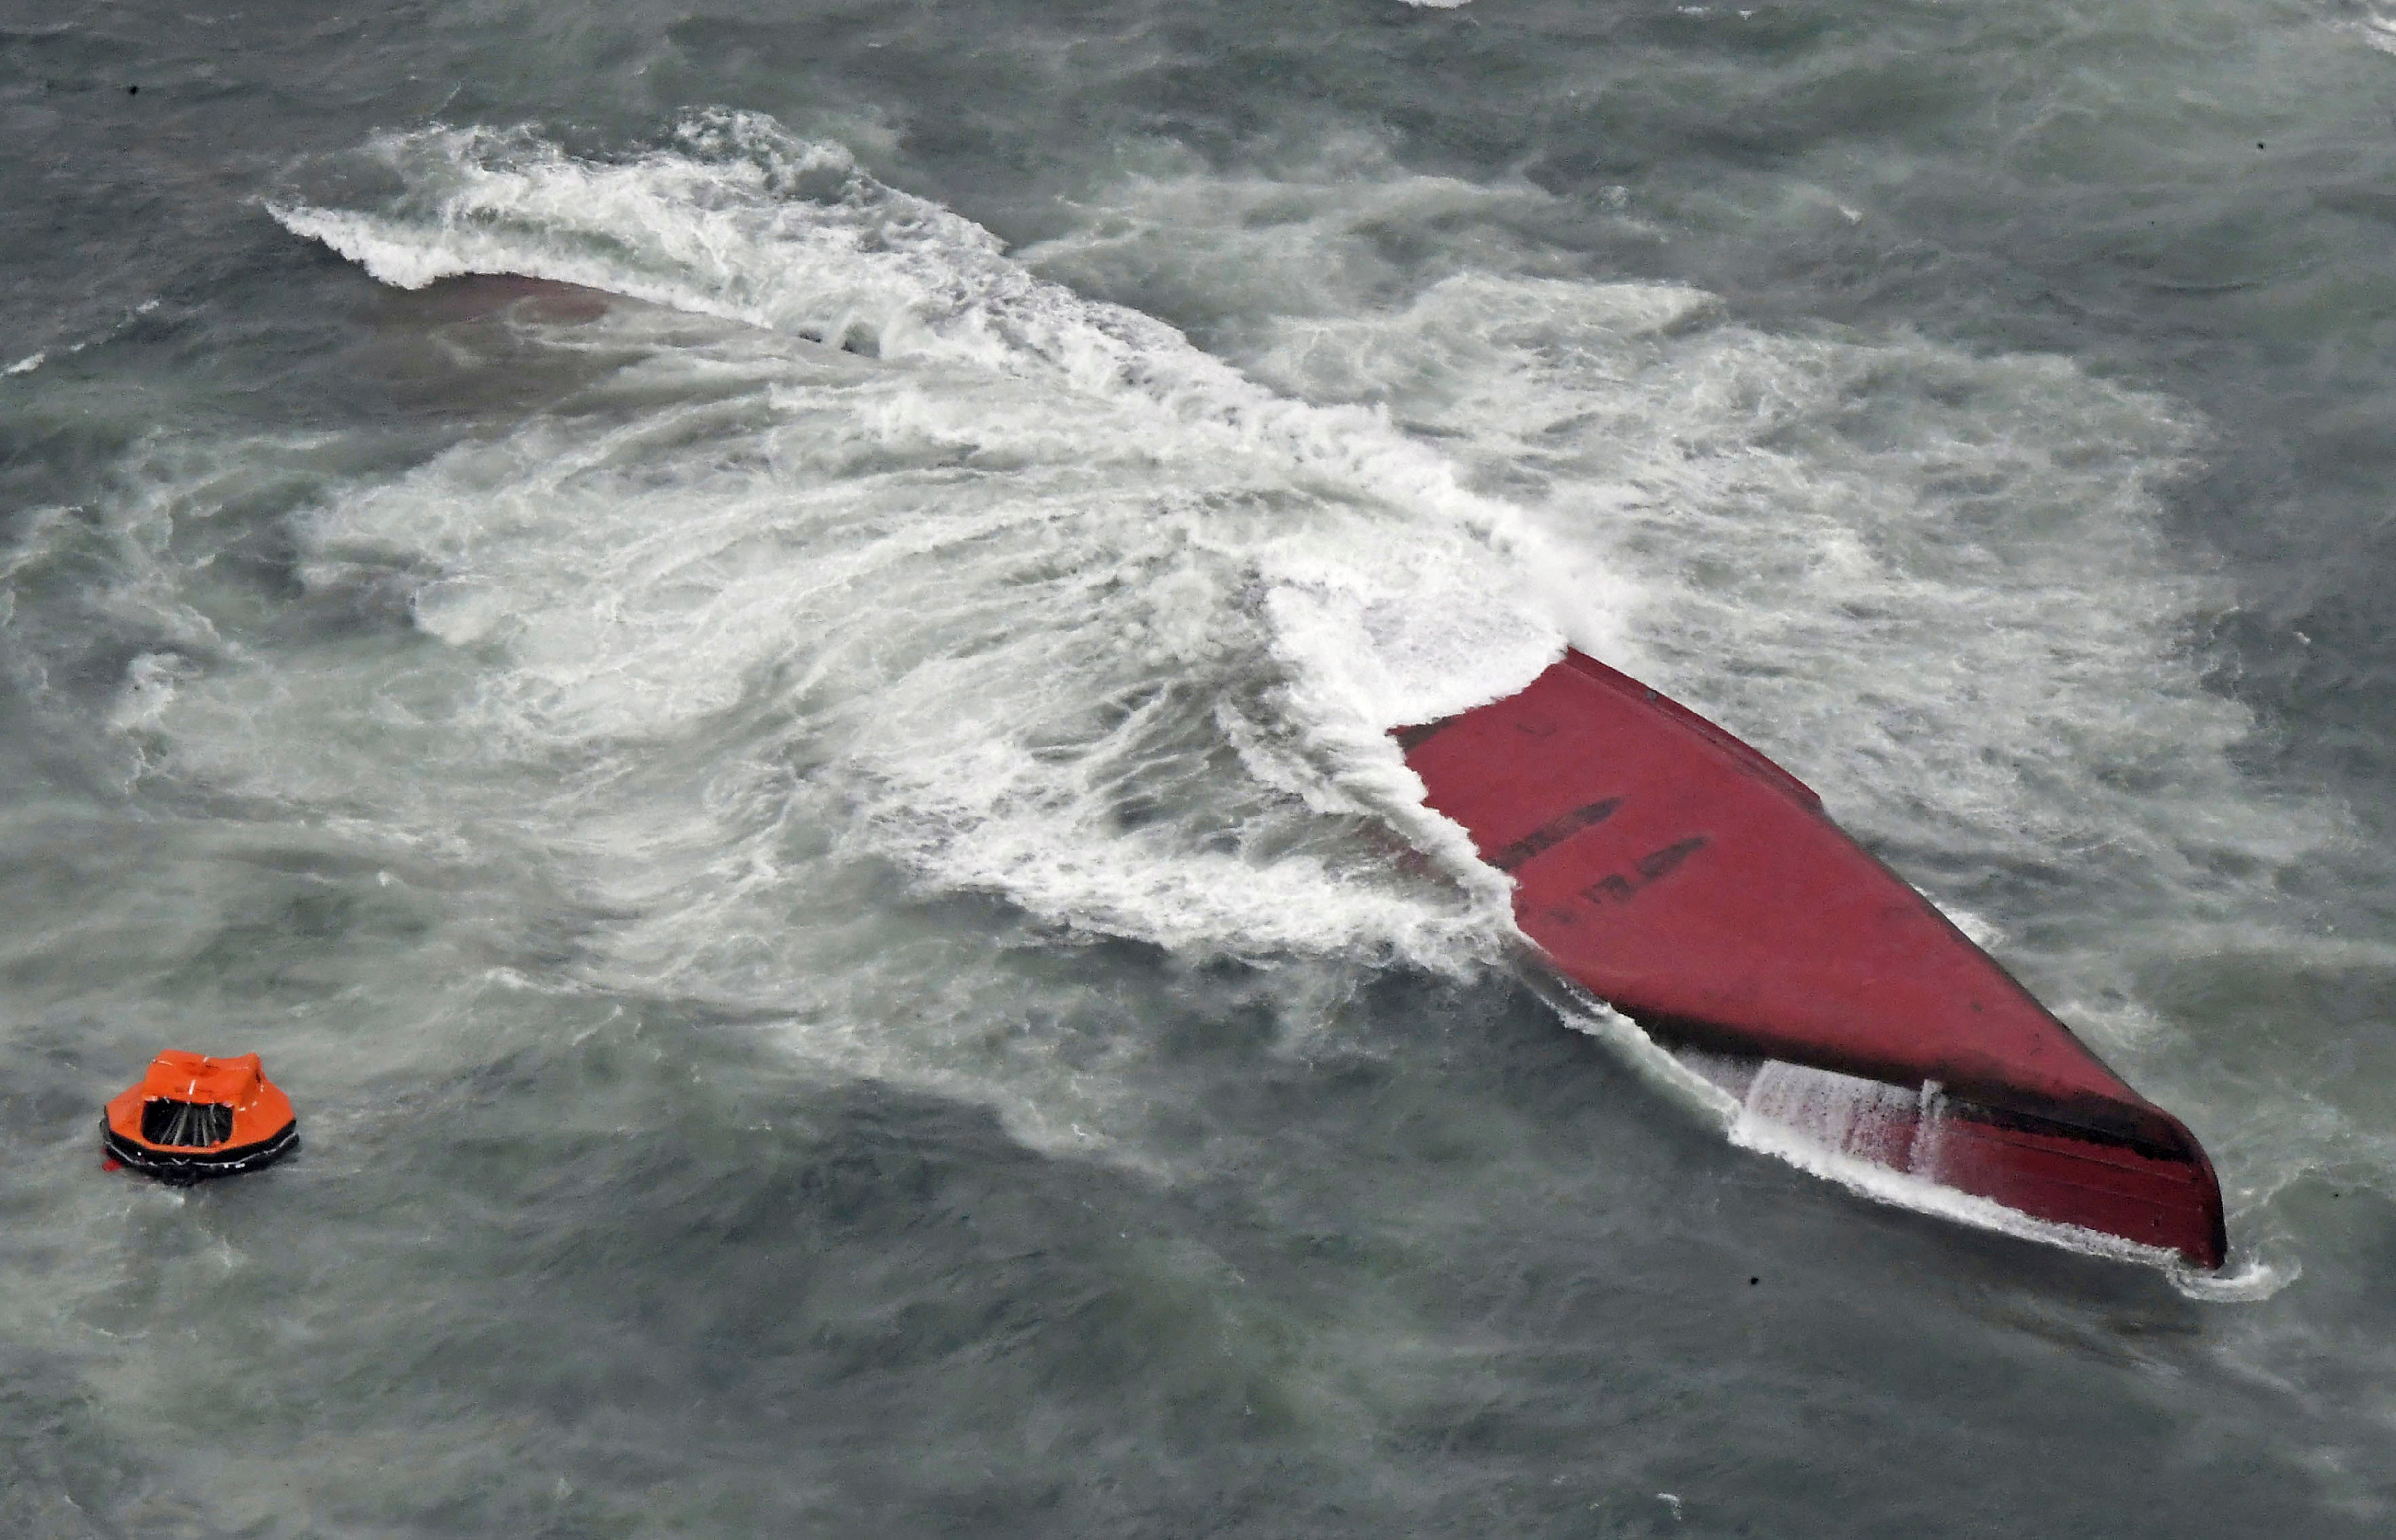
pixel 745 222
pixel 2248 1282
pixel 1708 1096
pixel 1039 602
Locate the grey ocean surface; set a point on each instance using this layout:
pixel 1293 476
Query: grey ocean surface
pixel 750 641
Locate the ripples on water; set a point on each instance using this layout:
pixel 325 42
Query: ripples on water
pixel 774 716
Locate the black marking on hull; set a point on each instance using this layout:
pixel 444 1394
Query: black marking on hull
pixel 1554 832
pixel 1661 862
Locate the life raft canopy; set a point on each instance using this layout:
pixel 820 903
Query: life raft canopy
pixel 193 1117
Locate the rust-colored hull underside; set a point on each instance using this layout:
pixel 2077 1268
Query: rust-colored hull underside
pixel 1682 878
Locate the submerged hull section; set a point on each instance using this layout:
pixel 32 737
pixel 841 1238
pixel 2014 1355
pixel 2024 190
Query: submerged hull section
pixel 1680 876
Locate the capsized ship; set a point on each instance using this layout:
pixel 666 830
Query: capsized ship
pixel 1678 875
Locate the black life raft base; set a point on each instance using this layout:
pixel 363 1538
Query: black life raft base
pixel 185 1167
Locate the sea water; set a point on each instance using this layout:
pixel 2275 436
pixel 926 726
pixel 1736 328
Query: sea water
pixel 754 646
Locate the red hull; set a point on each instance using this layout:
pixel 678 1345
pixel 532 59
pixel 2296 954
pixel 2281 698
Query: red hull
pixel 1682 878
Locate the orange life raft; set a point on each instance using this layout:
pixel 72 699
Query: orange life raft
pixel 193 1117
